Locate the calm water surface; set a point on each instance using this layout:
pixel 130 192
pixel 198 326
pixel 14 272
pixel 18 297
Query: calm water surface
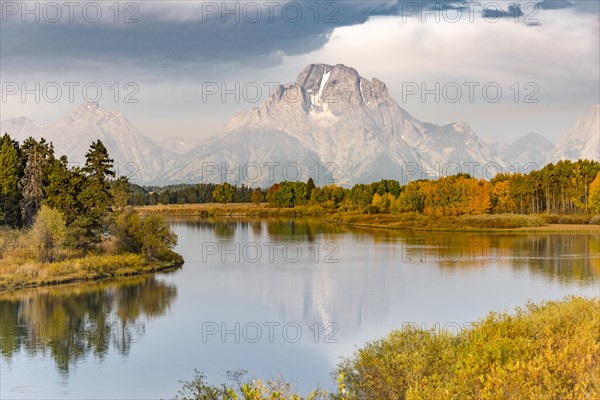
pixel 278 298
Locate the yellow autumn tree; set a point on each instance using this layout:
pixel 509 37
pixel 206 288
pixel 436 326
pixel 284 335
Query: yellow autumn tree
pixel 503 200
pixel 479 197
pixel 594 199
pixel 383 202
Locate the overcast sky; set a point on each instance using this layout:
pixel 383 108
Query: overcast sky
pixel 169 56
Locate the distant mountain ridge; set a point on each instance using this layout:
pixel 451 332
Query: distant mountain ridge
pixel 331 123
pixel 583 141
pixel 530 149
pixel 135 155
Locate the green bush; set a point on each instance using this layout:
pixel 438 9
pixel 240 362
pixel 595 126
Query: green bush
pixel 150 236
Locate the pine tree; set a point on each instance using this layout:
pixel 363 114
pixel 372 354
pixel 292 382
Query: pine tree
pixel 63 188
pixel 38 158
pixel 310 185
pixel 9 177
pixel 95 197
pixel 98 170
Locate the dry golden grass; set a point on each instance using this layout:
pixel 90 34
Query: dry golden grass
pixel 91 267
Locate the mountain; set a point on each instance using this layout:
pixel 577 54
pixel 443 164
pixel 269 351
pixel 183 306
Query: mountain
pixel 178 145
pixel 331 124
pixel 346 124
pixel 581 142
pixel 529 150
pixel 136 156
pixel 258 158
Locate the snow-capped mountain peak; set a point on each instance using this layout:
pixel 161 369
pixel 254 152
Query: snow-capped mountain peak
pixel 331 124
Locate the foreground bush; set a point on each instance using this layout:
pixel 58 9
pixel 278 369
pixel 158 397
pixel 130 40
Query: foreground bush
pixel 198 389
pixel 545 351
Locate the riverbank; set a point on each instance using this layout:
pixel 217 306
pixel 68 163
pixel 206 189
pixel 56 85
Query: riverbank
pixel 404 221
pixel 86 268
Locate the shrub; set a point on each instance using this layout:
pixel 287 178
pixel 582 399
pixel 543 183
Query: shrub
pixel 198 389
pixel 151 236
pixel 502 221
pixel 370 209
pixel 548 350
pixel 574 219
pixel 127 231
pixel 158 240
pixel 48 233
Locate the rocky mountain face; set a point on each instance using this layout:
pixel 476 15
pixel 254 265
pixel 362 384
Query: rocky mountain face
pixel 178 145
pixel 348 125
pixel 581 142
pixel 332 125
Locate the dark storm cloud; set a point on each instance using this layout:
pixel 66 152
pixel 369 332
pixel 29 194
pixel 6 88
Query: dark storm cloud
pixel 167 39
pixel 554 4
pixel 160 39
pixel 513 11
pixel 588 6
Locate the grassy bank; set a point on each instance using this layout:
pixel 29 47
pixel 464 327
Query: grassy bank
pixel 85 268
pixel 41 255
pixel 408 221
pixel 549 350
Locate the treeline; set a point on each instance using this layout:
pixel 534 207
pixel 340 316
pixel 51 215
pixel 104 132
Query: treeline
pixel 563 188
pixel 59 207
pixel 184 194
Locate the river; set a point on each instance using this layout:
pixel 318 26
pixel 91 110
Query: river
pixel 279 298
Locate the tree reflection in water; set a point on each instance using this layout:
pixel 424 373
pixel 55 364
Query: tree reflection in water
pixel 74 321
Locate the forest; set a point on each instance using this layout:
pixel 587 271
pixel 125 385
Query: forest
pixel 564 188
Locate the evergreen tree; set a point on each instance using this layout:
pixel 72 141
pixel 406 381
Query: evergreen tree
pixel 310 185
pixel 9 177
pixel 63 188
pixel 98 171
pixel 95 197
pixel 38 157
